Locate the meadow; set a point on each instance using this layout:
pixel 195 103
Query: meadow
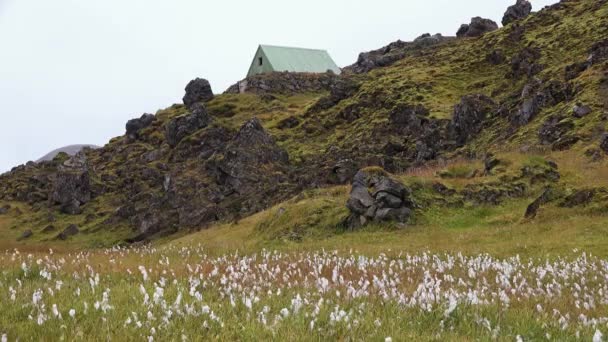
pixel 184 293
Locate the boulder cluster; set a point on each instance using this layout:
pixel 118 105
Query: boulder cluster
pixel 477 27
pixel 376 197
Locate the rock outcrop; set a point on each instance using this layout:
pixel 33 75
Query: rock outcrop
pixel 393 52
pixel 478 27
pixel 375 196
pixel 184 125
pixel 537 95
pixel 197 90
pixel 133 126
pixel 519 11
pixel 71 187
pixel 469 116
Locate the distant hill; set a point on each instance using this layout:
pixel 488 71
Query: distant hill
pixel 70 149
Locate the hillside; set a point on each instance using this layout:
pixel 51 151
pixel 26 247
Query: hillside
pixel 444 189
pixel 528 100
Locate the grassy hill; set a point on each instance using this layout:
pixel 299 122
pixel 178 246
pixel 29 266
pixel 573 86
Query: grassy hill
pixel 243 194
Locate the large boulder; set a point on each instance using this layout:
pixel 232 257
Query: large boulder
pixel 478 27
pixel 184 125
pixel 519 11
pixel 198 90
pixel 133 126
pixel 469 116
pixel 71 187
pixel 376 196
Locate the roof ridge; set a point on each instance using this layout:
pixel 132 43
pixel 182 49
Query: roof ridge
pixel 291 47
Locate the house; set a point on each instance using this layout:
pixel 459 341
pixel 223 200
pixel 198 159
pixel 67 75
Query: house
pixel 270 58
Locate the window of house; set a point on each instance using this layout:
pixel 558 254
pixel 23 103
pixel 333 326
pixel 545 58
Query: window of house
pixel 260 61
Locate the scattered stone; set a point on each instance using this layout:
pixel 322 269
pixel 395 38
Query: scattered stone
pixel 343 172
pixel 443 190
pixel 598 52
pixel 496 57
pixel 289 122
pixel 525 63
pixel 71 230
pixel 184 125
pixel 48 229
pixel 565 143
pixel 580 110
pixel 26 235
pixel 554 128
pixel 532 209
pixel 197 90
pixel 604 142
pixel 469 116
pixel 375 196
pixel 133 126
pixel 478 27
pixel 408 115
pixel 4 209
pixel 519 11
pixel 490 162
pixel 595 154
pixel 578 198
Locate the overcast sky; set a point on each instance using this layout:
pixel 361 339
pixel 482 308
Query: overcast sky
pixel 74 71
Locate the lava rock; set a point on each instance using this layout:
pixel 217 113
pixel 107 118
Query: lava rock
pixel 469 116
pixel 554 128
pixel 598 52
pixel 490 162
pixel 537 95
pixel 519 11
pixel 428 40
pixel 72 187
pixel 524 63
pixel 343 171
pixel 532 209
pixel 478 27
pixel 26 235
pixel 289 122
pixel 496 57
pixel 580 110
pixel 604 142
pixel 48 229
pixel 184 125
pixel 375 196
pixel 578 198
pixel 71 230
pixel 408 115
pixel 133 126
pixel 565 143
pixel 4 209
pixel 197 90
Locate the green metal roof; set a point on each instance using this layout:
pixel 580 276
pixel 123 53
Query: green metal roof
pixel 292 59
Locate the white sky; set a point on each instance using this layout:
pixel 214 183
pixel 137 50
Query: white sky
pixel 74 71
